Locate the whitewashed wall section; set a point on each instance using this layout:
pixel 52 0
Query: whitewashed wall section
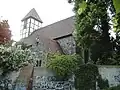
pixel 111 73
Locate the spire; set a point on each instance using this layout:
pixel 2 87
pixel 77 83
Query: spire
pixel 32 14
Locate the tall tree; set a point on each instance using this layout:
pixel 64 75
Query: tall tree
pixel 5 33
pixel 92 28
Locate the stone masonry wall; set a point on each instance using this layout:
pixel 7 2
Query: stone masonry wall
pixel 110 73
pixel 67 44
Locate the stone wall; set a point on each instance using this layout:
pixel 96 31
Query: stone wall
pixel 7 82
pixel 45 79
pixel 110 73
pixel 67 44
pixel 12 76
pixel 40 52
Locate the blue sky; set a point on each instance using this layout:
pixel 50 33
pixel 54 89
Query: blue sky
pixel 50 11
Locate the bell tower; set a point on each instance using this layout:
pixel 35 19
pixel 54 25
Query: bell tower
pixel 30 23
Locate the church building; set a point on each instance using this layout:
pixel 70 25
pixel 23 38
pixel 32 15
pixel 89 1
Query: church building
pixel 56 37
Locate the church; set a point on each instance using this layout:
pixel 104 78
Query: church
pixel 56 37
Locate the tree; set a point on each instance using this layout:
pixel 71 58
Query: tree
pixel 92 26
pixel 5 33
pixel 116 21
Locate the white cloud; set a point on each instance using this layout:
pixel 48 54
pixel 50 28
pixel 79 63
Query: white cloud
pixel 50 11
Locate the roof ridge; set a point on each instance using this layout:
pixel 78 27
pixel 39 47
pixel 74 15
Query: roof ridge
pixel 50 25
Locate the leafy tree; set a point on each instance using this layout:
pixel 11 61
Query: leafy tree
pixel 5 33
pixel 92 26
pixel 116 21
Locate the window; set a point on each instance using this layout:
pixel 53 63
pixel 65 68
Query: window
pixel 38 63
pixel 25 24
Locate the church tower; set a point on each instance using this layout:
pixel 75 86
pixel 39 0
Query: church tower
pixel 30 23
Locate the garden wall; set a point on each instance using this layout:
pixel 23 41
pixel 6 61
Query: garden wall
pixel 111 73
pixel 12 75
pixel 44 79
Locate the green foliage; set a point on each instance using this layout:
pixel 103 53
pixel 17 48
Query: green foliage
pixel 117 5
pixel 82 7
pixel 92 29
pixel 113 88
pixel 116 58
pixel 116 23
pixel 116 18
pixel 23 45
pixel 86 77
pixel 63 65
pixel 102 84
pixel 13 58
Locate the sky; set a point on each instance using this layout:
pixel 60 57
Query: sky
pixel 50 11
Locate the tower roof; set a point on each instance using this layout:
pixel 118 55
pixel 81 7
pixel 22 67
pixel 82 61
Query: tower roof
pixel 32 14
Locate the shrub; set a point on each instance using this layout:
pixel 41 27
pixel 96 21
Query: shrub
pixel 86 77
pixel 13 58
pixel 63 65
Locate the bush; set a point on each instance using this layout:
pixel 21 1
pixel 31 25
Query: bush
pixel 13 58
pixel 63 65
pixel 86 77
